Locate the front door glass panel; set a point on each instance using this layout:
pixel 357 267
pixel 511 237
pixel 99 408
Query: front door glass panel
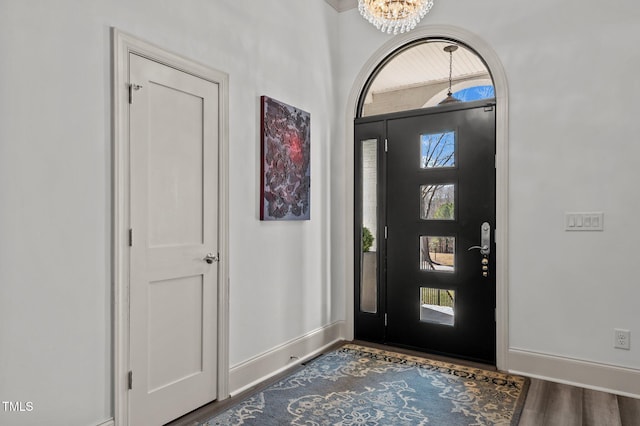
pixel 437 253
pixel 437 202
pixel 369 259
pixel 438 150
pixel 437 306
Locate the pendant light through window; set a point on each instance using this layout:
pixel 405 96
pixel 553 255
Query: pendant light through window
pixel 450 98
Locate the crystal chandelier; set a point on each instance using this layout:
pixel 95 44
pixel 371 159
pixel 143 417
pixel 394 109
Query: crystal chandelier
pixel 394 16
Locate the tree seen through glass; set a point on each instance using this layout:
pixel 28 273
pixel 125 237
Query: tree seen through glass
pixel 437 150
pixel 437 202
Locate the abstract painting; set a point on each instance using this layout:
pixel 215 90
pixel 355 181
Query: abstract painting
pixel 285 178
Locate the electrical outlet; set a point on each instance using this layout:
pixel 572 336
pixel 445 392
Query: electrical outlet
pixel 622 338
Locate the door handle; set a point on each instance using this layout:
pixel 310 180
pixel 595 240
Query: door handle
pixel 210 258
pixel 483 249
pixel 485 240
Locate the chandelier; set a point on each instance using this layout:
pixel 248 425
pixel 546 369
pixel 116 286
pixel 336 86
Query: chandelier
pixel 394 16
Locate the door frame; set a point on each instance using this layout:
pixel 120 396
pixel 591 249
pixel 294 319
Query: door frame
pixel 123 45
pixel 502 168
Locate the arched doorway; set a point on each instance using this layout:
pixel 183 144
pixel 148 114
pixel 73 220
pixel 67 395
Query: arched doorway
pixel 427 243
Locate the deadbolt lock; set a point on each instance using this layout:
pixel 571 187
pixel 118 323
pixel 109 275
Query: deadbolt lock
pixel 484 247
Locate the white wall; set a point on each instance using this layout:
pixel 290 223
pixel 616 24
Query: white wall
pixel 573 141
pixel 55 184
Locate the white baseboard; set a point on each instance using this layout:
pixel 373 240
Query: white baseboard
pixel 257 369
pixel 587 374
pixel 109 422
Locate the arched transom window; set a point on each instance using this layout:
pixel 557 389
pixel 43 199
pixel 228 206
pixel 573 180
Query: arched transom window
pixel 417 76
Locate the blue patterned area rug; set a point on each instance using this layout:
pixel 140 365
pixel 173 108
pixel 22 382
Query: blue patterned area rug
pixel 357 385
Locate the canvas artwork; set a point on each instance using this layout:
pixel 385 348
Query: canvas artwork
pixel 285 151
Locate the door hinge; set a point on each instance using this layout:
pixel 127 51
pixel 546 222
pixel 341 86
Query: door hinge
pixel 385 320
pixel 133 87
pixel 130 380
pixel 130 237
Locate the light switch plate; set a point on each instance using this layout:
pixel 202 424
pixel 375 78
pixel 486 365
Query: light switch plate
pixel 583 221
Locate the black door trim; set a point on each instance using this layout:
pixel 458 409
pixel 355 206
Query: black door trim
pixel 426 111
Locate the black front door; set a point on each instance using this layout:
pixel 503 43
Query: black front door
pixel 437 191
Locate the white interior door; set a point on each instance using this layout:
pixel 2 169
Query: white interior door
pixel 174 223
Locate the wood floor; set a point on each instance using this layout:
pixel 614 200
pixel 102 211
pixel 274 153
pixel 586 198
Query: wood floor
pixel 554 404
pixel 547 403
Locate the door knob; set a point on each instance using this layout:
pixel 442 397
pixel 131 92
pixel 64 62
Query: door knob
pixel 210 258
